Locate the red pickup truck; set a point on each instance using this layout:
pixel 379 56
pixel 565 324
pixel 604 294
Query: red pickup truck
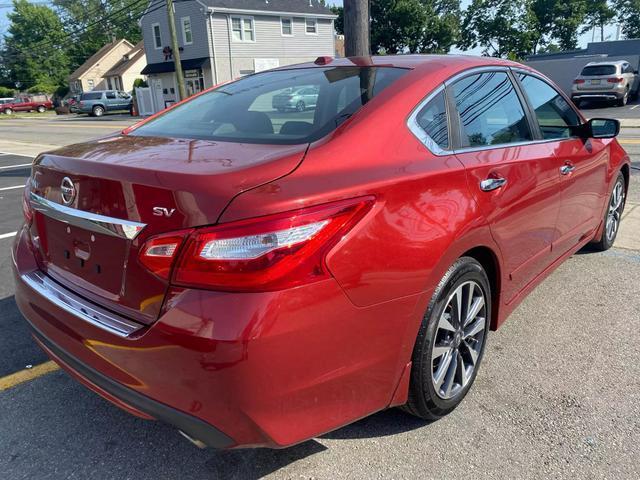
pixel 39 103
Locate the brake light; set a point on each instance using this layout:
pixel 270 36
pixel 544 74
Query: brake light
pixel 267 253
pixel 26 204
pixel 158 253
pixel 578 81
pixel 615 80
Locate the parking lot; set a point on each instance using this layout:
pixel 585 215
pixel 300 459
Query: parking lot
pixel 558 395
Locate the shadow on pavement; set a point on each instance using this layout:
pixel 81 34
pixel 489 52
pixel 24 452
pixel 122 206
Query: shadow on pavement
pixel 381 424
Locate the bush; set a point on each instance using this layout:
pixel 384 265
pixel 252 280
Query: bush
pixel 139 83
pixel 7 92
pixel 47 88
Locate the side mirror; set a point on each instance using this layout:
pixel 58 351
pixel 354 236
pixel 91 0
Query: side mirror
pixel 602 128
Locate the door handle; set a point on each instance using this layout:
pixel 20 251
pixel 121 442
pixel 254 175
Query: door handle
pixel 567 168
pixel 490 184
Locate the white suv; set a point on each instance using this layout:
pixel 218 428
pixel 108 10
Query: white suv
pixel 614 81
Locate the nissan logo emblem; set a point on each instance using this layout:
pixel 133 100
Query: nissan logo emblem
pixel 67 191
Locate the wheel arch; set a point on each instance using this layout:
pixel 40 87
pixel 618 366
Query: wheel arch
pixel 489 261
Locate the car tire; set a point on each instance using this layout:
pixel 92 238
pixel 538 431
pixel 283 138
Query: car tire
pixel 612 215
pixel 8 111
pixel 41 109
pixel 447 353
pixel 577 102
pixel 281 110
pixel 300 106
pixel 625 99
pixel 97 111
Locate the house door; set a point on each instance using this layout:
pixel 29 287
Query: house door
pixel 156 94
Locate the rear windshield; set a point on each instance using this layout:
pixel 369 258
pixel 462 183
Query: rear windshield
pixel 91 96
pixel 279 107
pixel 597 70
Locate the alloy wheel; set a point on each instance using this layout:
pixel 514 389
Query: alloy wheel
pixel 458 340
pixel 616 204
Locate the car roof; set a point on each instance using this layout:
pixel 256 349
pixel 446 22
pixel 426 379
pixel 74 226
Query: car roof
pixel 612 62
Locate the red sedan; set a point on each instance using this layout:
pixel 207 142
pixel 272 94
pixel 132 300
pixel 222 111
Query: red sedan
pixel 258 277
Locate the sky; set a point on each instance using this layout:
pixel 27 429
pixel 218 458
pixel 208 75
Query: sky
pixel 610 31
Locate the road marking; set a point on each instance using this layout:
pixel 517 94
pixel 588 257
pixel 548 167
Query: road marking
pixel 75 125
pixel 27 374
pixel 7 235
pixel 16 154
pixel 9 167
pixel 634 107
pixel 11 188
pixel 629 141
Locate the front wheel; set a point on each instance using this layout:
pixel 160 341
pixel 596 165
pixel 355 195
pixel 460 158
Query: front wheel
pixel 8 111
pixel 451 341
pixel 300 106
pixel 612 216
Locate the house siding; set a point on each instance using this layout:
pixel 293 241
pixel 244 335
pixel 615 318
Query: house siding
pixel 102 66
pixel 196 12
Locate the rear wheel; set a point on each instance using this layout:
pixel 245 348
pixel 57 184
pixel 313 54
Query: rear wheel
pixel 8 111
pixel 625 98
pixel 300 106
pixel 97 111
pixel 451 341
pixel 577 102
pixel 612 216
pixel 41 109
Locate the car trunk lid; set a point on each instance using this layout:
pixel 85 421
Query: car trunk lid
pixel 96 204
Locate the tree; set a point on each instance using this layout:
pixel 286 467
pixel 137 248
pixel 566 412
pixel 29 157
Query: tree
pixel 338 23
pixel 629 17
pixel 504 28
pixel 428 26
pixel 597 15
pixel 569 16
pixel 33 50
pixel 80 19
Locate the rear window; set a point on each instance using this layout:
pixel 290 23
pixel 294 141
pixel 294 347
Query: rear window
pixel 91 96
pixel 598 70
pixel 279 107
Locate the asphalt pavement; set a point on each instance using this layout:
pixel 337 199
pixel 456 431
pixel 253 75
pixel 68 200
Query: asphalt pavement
pixel 557 396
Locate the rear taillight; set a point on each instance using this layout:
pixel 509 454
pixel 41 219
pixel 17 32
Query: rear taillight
pixel 158 253
pixel 26 204
pixel 578 81
pixel 615 80
pixel 267 253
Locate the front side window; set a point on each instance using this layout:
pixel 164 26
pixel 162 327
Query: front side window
pixel 433 120
pixel 271 107
pixel 287 27
pixel 311 26
pixel 187 35
pixel 242 29
pixel 111 95
pixel 555 116
pixel 157 38
pixel 490 111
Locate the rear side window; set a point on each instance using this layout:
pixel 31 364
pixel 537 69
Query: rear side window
pixel 490 111
pixel 433 120
pixel 91 96
pixel 271 107
pixel 555 115
pixel 110 95
pixel 598 70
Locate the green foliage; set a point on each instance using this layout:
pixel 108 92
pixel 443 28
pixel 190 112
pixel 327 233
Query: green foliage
pixel 428 26
pixel 49 88
pixel 338 23
pixel 598 15
pixel 33 50
pixel 629 17
pixel 503 28
pixel 79 16
pixel 139 83
pixel 7 92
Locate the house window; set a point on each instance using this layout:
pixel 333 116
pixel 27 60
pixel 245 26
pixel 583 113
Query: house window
pixel 243 29
pixel 90 84
pixel 286 25
pixel 311 26
pixel 157 38
pixel 109 83
pixel 187 36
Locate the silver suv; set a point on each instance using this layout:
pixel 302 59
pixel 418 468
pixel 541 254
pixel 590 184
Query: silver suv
pixel 613 81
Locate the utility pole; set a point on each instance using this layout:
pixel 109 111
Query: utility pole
pixel 176 50
pixel 356 28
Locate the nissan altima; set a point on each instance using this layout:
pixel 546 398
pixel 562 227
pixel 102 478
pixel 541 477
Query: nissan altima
pixel 255 279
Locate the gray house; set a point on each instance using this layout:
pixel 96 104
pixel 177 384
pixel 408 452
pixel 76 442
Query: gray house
pixel 221 40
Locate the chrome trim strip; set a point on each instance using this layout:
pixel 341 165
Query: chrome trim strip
pixel 87 220
pixel 78 307
pixel 417 130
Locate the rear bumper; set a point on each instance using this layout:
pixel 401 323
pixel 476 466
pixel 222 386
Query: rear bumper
pixel 263 369
pixel 597 96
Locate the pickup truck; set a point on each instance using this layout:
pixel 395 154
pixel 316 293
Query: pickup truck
pixel 27 104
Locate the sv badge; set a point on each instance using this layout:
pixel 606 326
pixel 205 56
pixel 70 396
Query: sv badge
pixel 163 212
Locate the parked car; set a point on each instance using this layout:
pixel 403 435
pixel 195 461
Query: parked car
pixel 98 102
pixel 72 102
pixel 298 99
pixel 610 81
pixel 38 103
pixel 6 100
pixel 256 280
